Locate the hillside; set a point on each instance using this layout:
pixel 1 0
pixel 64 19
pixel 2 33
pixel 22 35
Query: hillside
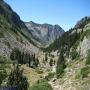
pixel 13 32
pixel 73 65
pixel 45 34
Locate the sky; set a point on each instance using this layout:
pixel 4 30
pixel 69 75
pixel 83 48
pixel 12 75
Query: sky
pixel 62 12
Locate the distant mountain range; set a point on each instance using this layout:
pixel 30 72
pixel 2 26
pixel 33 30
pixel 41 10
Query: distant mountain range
pixel 45 34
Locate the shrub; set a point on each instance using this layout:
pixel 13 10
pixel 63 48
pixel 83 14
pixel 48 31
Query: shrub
pixel 85 71
pixel 51 62
pixel 1 34
pixel 60 65
pixel 73 54
pixel 88 58
pixel 60 71
pixel 41 85
pixel 3 75
pixel 86 33
pixel 16 79
pixel 49 76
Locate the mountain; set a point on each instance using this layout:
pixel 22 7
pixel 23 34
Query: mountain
pixel 64 65
pixel 73 35
pixel 13 32
pixel 45 34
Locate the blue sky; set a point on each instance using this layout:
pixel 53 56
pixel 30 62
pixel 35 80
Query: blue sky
pixel 62 12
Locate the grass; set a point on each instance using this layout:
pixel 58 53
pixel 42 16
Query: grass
pixel 41 85
pixel 85 71
pixel 31 75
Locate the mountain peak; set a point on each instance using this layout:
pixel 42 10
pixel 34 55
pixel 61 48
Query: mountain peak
pixel 44 33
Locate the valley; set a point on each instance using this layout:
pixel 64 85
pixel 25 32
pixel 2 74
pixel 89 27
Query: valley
pixel 43 56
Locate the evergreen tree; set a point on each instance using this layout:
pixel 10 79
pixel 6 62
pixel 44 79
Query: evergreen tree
pixel 46 58
pixel 51 62
pixel 36 62
pixel 16 79
pixel 60 65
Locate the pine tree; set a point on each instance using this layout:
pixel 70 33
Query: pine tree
pixel 51 62
pixel 46 58
pixel 16 79
pixel 60 65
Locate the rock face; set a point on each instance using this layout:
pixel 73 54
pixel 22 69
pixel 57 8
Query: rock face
pixel 84 47
pixel 44 33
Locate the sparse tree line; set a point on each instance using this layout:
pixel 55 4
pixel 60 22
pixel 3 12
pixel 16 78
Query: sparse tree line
pixel 24 58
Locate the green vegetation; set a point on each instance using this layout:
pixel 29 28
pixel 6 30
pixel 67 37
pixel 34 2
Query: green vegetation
pixel 50 76
pixel 74 54
pixel 51 62
pixel 88 58
pixel 4 61
pixel 67 40
pixel 46 58
pixel 85 33
pixel 8 44
pixel 3 75
pixel 17 79
pixel 1 34
pixel 60 65
pixel 85 71
pixel 80 24
pixel 41 85
pixel 24 58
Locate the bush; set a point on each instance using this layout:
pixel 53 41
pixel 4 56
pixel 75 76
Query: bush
pixel 51 62
pixel 86 33
pixel 49 76
pixel 85 71
pixel 3 75
pixel 88 58
pixel 41 85
pixel 60 65
pixel 1 34
pixel 60 71
pixel 73 54
pixel 16 79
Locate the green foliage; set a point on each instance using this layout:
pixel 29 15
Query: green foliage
pixel 41 85
pixel 88 58
pixel 51 62
pixel 85 33
pixel 8 44
pixel 82 22
pixel 67 40
pixel 1 34
pixel 3 66
pixel 74 54
pixel 78 76
pixel 16 79
pixel 60 71
pixel 4 60
pixel 3 75
pixel 46 58
pixel 85 71
pixel 60 65
pixel 50 76
pixel 24 58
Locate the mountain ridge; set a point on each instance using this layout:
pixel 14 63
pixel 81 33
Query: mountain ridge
pixel 45 33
